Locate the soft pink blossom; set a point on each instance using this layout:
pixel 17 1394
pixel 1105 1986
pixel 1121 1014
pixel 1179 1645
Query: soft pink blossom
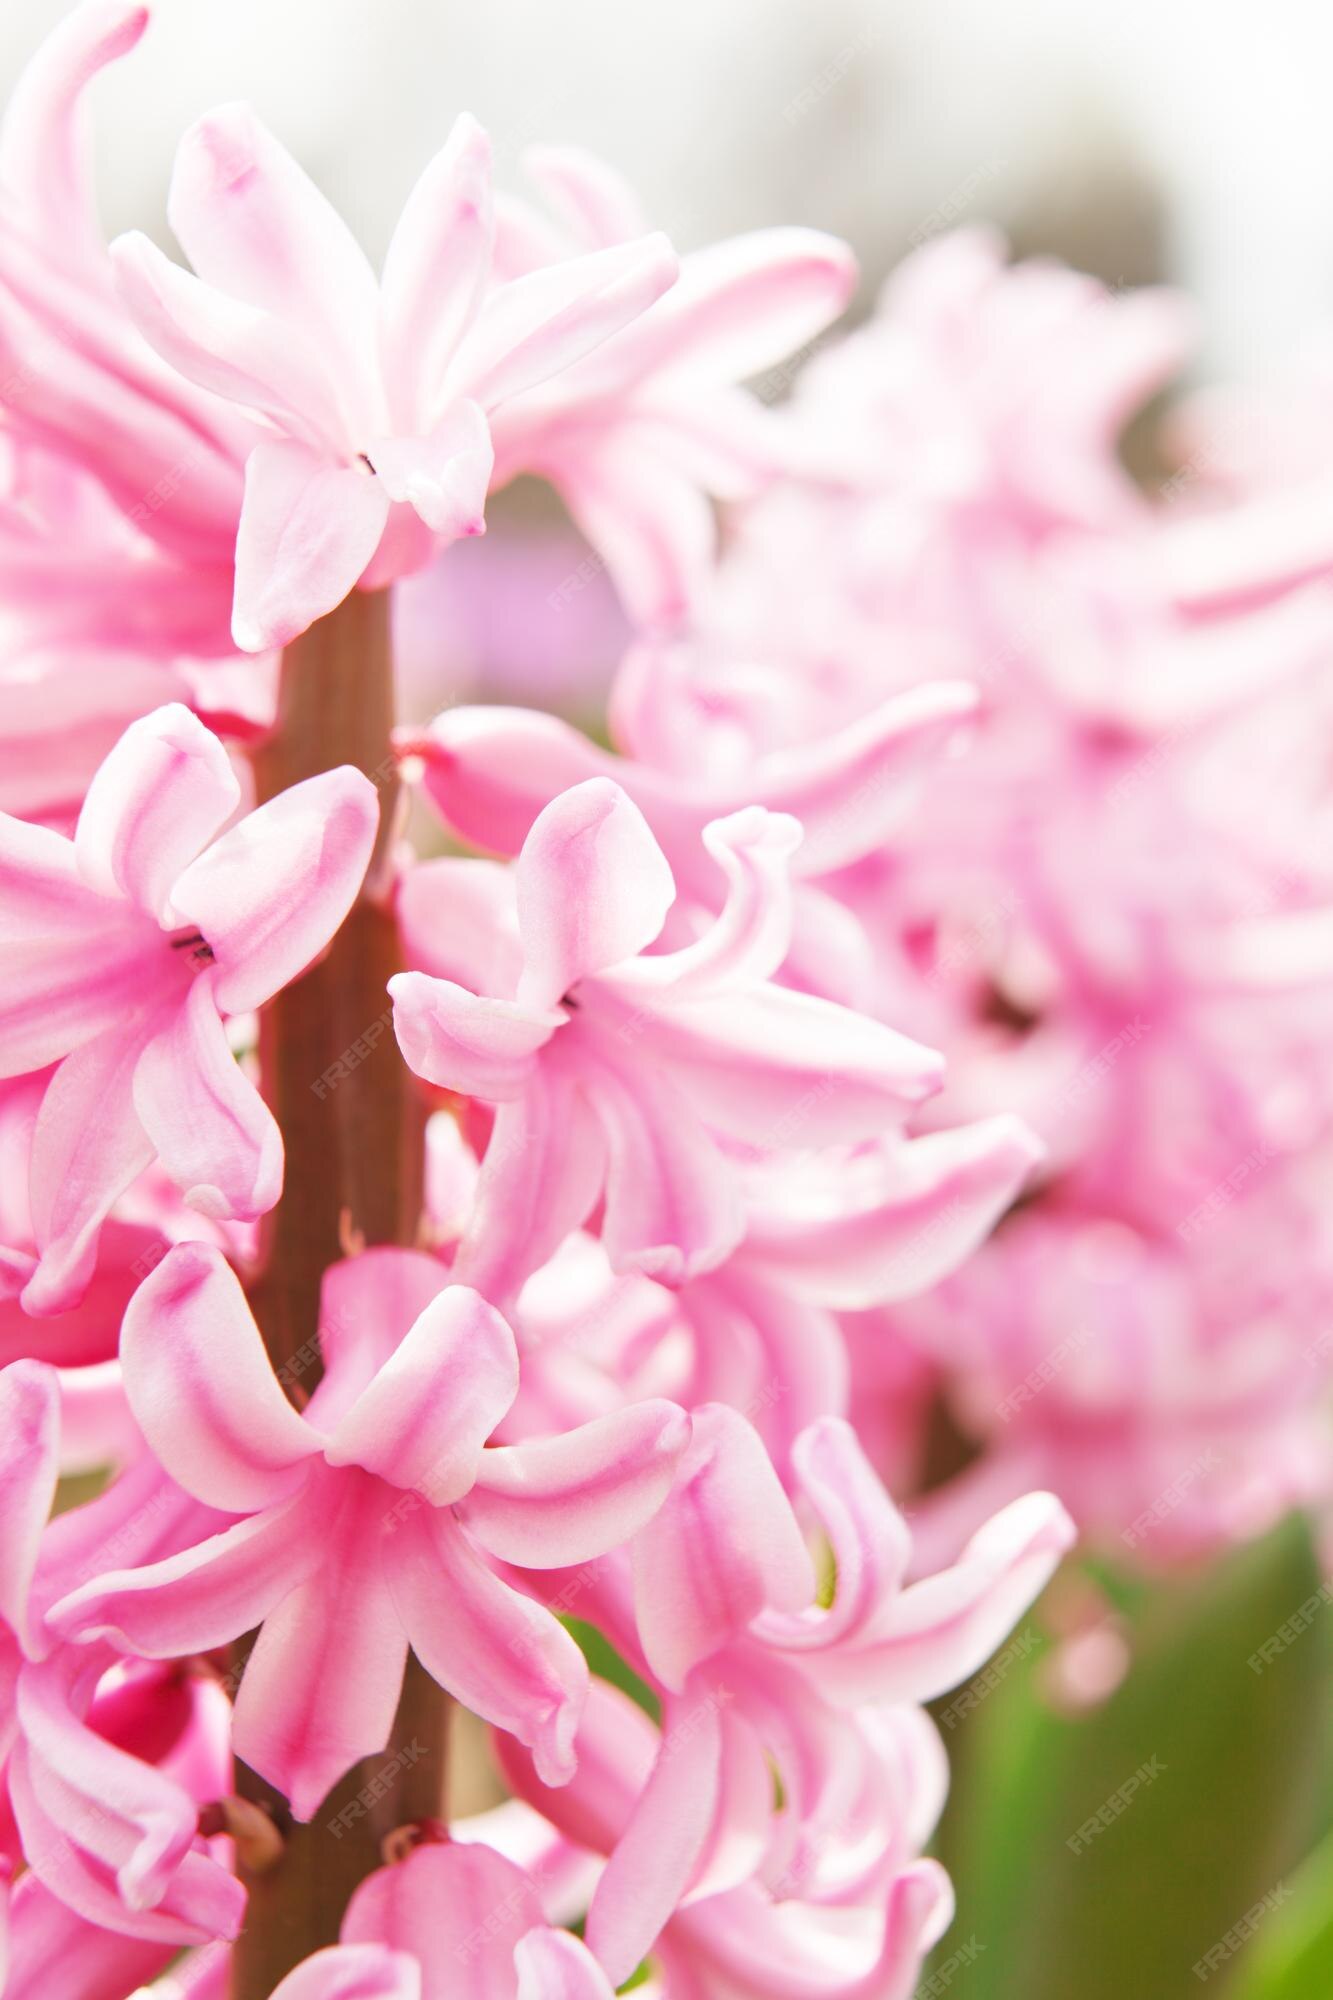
pixel 369 1518
pixel 130 945
pixel 106 1762
pixel 377 395
pixel 467 1912
pixel 727 1621
pixel 640 434
pixel 622 1074
pixel 850 1918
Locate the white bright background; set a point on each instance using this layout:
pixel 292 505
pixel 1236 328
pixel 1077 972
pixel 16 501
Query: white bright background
pixel 1185 138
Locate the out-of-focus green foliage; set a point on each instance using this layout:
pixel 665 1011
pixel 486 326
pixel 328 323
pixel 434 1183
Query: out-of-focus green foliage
pixel 1292 1958
pixel 1202 1856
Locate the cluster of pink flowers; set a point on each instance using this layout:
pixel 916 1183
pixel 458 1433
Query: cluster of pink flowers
pixel 951 737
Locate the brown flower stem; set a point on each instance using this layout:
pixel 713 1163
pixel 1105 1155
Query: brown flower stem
pixel 352 1131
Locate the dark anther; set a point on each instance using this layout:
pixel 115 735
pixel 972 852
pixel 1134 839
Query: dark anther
pixel 197 945
pixel 396 1846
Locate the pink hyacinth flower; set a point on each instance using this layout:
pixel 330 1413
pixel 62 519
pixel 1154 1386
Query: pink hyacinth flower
pixel 724 1596
pixel 616 1073
pixel 52 1950
pixel 489 771
pixel 126 949
pixel 448 1907
pixel 379 392
pixel 850 1921
pixel 80 379
pixel 105 1762
pixel 353 1972
pixel 639 435
pixel 369 1518
pixel 762 1332
pixel 756 1672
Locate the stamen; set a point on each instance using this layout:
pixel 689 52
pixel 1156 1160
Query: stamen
pixel 200 950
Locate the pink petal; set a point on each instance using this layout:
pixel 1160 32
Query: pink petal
pixel 76 961
pixel 752 935
pixel 540 1177
pixel 490 771
pixel 653 1861
pixel 321 1686
pixel 595 203
pixel 29 1469
pixel 780 1069
pixel 61 993
pixel 785 1949
pixel 96 1427
pixel 47 1941
pixel 740 306
pixel 868 1537
pixel 725 1546
pixel 213 1132
pixel 43 164
pixel 537 325
pixel 207 1595
pixel 852 789
pixel 500 1654
pixel 435 271
pixel 939 1631
pixel 126 1821
pixel 203 1389
pixel 110 1806
pixel 459 922
pixel 457 1910
pixel 445 475
pixel 555 1965
pixel 593 889
pixel 652 526
pixel 742 1829
pixel 466 1042
pixel 615 1746
pixel 42 891
pixel 353 1972
pixel 422 1422
pixel 933 1200
pixel 271 893
pixel 366 1305
pixel 308 528
pixel 161 795
pixel 672 1202
pixel 204 1901
pixel 254 225
pixel 524 238
pixel 779 1359
pixel 552 1501
pixel 87 1147
pixel 141 1517
pixel 226 346
pixel 714 437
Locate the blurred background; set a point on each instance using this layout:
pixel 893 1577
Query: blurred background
pixel 1189 141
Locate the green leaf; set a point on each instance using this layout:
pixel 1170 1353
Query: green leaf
pixel 609 1665
pixel 1292 1954
pixel 1197 1785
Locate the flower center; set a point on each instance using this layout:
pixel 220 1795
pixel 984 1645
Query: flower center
pixel 194 945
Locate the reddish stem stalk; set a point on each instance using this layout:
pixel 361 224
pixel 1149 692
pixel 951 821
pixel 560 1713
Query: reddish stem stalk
pixel 352 1129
